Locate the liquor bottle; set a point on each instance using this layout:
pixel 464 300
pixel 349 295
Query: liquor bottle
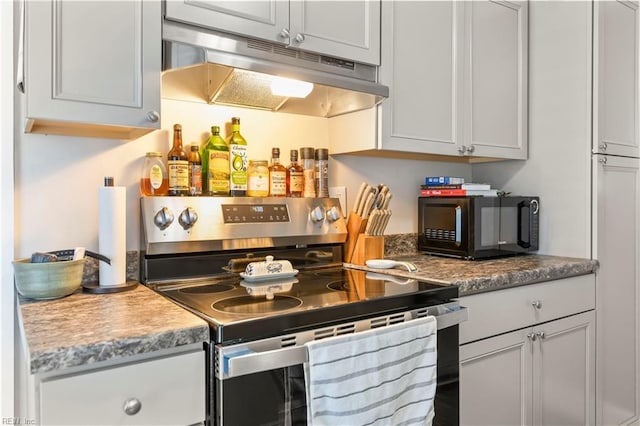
pixel 237 160
pixel 295 176
pixel 178 165
pixel 215 164
pixel 195 171
pixel 277 175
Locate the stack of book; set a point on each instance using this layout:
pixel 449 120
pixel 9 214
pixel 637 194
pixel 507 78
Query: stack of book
pixel 452 186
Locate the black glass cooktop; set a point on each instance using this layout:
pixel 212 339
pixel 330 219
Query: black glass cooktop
pixel 238 310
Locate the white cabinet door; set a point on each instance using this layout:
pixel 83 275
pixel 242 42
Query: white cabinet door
pixel 542 375
pixel 346 29
pixel 616 216
pixel 495 381
pixel 495 92
pixel 421 57
pixel 93 63
pixel 343 29
pixel 616 90
pixel 264 19
pixel 564 371
pixel 457 76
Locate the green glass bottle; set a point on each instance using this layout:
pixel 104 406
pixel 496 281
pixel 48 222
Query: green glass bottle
pixel 215 164
pixel 237 160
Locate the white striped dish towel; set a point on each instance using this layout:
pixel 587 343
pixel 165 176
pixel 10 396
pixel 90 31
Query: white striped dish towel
pixel 383 376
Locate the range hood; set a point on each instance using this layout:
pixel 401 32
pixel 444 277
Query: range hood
pixel 226 69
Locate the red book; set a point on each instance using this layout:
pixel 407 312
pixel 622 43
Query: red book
pixel 457 192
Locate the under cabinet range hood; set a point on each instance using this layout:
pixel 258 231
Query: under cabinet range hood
pixel 225 69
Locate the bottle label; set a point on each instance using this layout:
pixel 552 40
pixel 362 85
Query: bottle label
pixel 296 182
pixel 155 176
pixel 258 185
pixel 178 175
pixel 195 181
pixel 238 167
pixel 218 173
pixel 278 183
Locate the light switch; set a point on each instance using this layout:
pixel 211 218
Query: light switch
pixel 340 192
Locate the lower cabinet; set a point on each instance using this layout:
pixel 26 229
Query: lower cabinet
pixel 164 390
pixel 540 374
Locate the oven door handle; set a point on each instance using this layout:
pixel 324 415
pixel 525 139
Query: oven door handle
pixel 255 357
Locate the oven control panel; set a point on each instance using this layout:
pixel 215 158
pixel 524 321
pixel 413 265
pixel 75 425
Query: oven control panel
pixel 193 224
pixel 255 213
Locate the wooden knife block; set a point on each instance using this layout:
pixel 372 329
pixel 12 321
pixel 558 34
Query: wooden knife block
pixel 367 247
pixel 355 227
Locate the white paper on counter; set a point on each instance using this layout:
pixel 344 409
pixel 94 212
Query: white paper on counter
pixel 112 234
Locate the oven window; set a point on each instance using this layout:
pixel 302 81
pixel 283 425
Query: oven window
pixel 275 398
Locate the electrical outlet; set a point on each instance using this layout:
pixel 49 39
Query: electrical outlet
pixel 340 192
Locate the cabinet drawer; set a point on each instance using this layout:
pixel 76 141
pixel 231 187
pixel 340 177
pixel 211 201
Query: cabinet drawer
pixel 505 310
pixel 170 391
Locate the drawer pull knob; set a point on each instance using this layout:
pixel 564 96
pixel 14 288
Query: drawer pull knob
pixel 532 337
pixel 132 406
pixel 536 304
pixel 540 334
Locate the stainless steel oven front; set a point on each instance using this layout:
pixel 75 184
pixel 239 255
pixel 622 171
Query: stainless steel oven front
pixel 256 351
pixel 262 382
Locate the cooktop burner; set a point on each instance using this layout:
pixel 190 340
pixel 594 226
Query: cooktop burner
pixel 256 305
pixel 237 310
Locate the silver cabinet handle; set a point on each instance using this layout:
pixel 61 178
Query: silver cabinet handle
pixel 540 334
pixel 153 116
pixel 299 38
pixel 132 406
pixel 284 33
pixel 603 160
pixel 462 149
pixel 470 149
pixel 603 146
pixel 532 337
pixel 537 304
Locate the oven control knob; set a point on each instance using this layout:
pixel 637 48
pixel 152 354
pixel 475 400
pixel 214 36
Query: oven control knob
pixel 333 214
pixel 187 218
pixel 163 218
pixel 317 214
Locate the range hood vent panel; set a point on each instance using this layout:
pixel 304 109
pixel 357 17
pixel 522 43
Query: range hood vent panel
pixel 203 65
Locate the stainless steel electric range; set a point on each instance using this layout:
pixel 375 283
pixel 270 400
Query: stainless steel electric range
pixel 194 248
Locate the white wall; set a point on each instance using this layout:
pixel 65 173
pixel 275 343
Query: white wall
pixel 558 168
pixel 57 177
pixel 6 212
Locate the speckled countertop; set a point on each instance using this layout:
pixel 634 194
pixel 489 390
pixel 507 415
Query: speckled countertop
pixel 488 275
pixel 86 328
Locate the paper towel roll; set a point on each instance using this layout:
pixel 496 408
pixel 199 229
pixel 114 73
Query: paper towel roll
pixel 112 234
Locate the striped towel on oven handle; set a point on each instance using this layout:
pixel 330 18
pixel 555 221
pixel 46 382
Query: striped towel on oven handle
pixel 383 376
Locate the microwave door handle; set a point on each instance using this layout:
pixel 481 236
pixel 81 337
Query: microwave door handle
pixel 458 225
pixel 521 242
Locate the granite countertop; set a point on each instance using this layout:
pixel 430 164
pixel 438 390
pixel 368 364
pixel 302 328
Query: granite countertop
pixel 86 328
pixel 487 275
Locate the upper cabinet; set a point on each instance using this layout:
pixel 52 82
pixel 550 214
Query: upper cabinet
pixel 92 68
pixel 344 29
pixel 616 92
pixel 457 76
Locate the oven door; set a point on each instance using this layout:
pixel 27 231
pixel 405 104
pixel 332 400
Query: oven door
pixel 262 382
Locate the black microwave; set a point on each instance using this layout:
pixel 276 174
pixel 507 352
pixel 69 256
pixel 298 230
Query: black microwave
pixel 478 227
